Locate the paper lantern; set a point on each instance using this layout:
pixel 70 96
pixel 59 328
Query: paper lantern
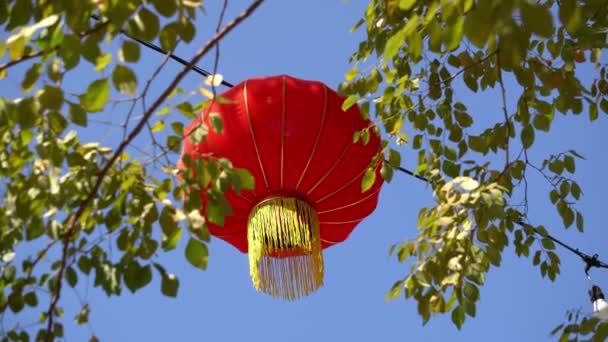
pixel 297 142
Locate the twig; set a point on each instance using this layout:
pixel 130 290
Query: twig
pixel 57 293
pixel 41 255
pixel 504 110
pixel 217 46
pixel 24 58
pixel 73 219
pixel 470 66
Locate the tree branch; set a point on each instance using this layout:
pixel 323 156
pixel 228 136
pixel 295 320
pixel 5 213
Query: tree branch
pixel 217 46
pixel 481 61
pixel 24 58
pixel 504 110
pixel 74 218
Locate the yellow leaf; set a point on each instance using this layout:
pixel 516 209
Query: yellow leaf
pixel 205 92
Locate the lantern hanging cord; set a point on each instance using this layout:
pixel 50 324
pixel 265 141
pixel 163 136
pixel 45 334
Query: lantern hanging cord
pixel 590 261
pixel 160 50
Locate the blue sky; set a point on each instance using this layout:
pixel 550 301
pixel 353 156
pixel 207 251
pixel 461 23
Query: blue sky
pixel 311 40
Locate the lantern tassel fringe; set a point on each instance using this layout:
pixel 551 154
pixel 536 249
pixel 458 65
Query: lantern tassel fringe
pixel 285 258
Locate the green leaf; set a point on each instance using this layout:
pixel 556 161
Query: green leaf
pixel 170 240
pixel 580 221
pixel 593 112
pixel 537 19
pixel 129 52
pixel 147 24
pixel 569 164
pixel 247 181
pixel 30 299
pixel 174 143
pixel 196 253
pixel 31 76
pixel 369 178
pixel 16 46
pixel 186 30
pixel 166 8
pixel 158 126
pixel 97 95
pixel 57 122
pixel 78 115
pixel 217 210
pixel 453 35
pixel 571 15
pixel 84 264
pixel 394 158
pixel 352 73
pixel 15 302
pixel 51 97
pixel 102 61
pixel 70 51
pixel 169 285
pixel 604 106
pixel 542 122
pixel 178 128
pixel 136 276
pixel 216 122
pixel 406 4
pixel 415 44
pixel 124 80
pixel 349 102
pixel 169 282
pixel 567 216
pixel 394 43
pixel 395 290
pixel 386 171
pixel 458 316
pixel 70 276
pixel 168 37
pixel 527 136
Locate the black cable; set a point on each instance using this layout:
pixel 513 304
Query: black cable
pixel 413 174
pixel 164 52
pixel 590 261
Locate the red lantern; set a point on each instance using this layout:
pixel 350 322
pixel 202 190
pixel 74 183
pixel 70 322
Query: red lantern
pixel 297 142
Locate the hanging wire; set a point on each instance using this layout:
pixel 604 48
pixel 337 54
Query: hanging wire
pixel 591 261
pixel 160 50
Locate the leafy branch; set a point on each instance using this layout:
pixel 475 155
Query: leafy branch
pixel 73 219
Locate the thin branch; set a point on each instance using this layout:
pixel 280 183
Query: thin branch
pixel 57 293
pixel 481 61
pixel 24 58
pixel 40 256
pixel 504 110
pixel 217 46
pixel 73 219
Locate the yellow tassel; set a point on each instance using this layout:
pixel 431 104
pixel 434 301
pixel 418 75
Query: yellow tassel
pixel 285 258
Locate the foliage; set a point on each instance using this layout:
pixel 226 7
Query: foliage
pixel 405 75
pixel 69 196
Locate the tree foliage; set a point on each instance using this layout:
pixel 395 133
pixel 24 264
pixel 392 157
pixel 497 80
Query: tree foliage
pixel 405 75
pixel 71 197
